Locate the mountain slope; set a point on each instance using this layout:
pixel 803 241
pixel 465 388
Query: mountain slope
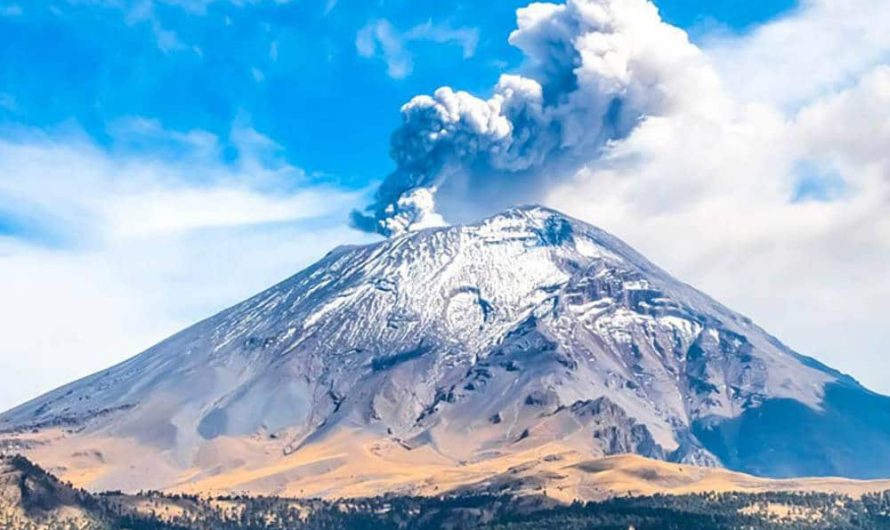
pixel 458 346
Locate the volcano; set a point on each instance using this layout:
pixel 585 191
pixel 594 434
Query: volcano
pixel 447 356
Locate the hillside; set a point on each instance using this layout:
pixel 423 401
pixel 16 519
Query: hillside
pixel 31 499
pixel 34 500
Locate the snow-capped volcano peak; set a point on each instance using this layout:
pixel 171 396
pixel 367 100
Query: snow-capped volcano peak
pixel 472 342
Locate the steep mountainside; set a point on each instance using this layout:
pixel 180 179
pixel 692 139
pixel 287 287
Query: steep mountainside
pixel 454 347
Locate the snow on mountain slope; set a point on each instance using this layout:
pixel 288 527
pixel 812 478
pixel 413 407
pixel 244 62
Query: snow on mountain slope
pixel 470 343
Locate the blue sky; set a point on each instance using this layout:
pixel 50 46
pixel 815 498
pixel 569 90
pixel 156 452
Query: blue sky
pixel 290 70
pixel 163 159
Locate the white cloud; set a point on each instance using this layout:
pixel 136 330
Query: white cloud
pixel 380 39
pixel 143 12
pixel 466 38
pixel 821 47
pixel 179 210
pixel 141 247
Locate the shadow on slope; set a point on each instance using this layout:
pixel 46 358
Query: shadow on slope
pixel 850 436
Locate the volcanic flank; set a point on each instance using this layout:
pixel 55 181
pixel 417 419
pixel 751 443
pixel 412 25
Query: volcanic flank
pixel 449 356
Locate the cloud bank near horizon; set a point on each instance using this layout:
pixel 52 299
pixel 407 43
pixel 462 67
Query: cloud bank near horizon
pixel 112 250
